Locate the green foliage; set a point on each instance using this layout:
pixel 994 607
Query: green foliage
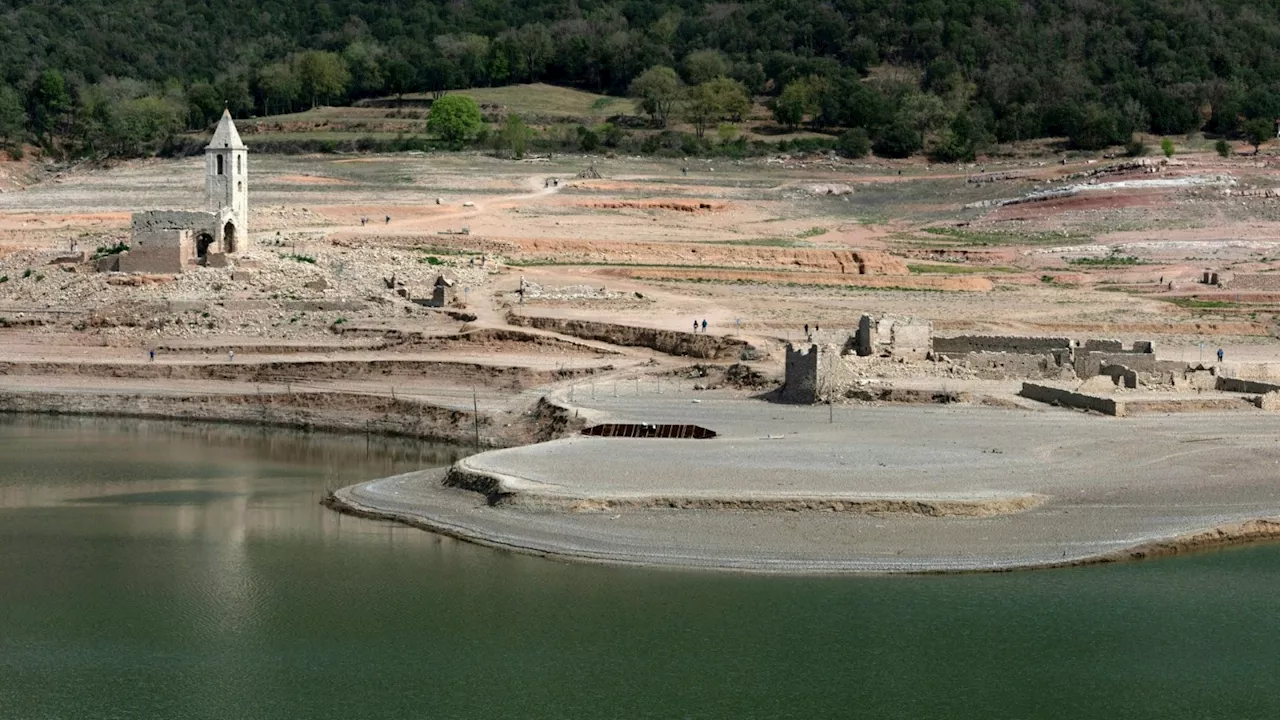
pixel 455 118
pixel 715 100
pixel 1166 146
pixel 1094 75
pixel 798 99
pixel 513 137
pixel 1112 260
pixel 26 273
pixel 4 278
pixel 1257 132
pixel 13 116
pixel 812 232
pixel 321 75
pixel 702 66
pixel 299 258
pixel 853 143
pixel 588 139
pixel 658 89
pixel 1136 148
pixel 1223 147
pixel 105 250
pixel 431 260
pixel 899 140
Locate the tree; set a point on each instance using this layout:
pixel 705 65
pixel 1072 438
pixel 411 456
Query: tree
pixel 204 105
pixel 853 143
pixel 279 86
pixel 1166 145
pixel 321 75
pixel 658 89
pixel 712 101
pixel 513 136
pixel 12 116
pixel 400 77
pixel 798 99
pixel 48 103
pixel 454 118
pixel 1257 132
pixel 704 65
pixel 139 125
pixel 898 140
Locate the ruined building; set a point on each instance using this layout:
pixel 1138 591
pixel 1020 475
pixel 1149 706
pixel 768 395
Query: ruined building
pixel 170 241
pixel 826 367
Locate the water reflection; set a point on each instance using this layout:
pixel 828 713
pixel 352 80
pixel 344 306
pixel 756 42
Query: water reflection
pixel 167 570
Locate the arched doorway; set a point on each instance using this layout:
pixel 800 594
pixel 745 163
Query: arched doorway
pixel 203 241
pixel 229 237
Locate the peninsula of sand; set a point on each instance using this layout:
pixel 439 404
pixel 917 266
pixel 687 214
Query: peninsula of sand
pixel 792 489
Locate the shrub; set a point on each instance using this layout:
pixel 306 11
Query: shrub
pixel 854 143
pixel 1166 146
pixel 1136 148
pixel 4 278
pixel 899 140
pixel 1223 147
pixel 26 273
pixel 105 250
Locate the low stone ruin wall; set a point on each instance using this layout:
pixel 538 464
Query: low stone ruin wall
pixel 1245 386
pixel 671 342
pixel 1067 398
pixel 964 344
pixel 999 365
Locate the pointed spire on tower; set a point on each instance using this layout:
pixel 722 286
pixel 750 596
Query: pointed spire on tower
pixel 225 136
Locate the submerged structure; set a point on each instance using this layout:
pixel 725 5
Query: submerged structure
pixel 170 241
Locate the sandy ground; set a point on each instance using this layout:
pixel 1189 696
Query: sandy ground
pixel 1105 486
pixel 758 249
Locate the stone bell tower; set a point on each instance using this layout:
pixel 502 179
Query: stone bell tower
pixel 226 185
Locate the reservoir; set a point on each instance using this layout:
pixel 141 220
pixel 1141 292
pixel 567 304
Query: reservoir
pixel 166 570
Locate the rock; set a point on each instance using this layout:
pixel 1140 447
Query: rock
pixel 320 284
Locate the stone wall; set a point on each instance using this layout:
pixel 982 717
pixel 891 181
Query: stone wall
pixel 1245 386
pixel 998 366
pixel 815 373
pixel 1067 398
pixel 700 345
pixel 801 380
pixel 963 344
pixel 894 336
pixel 1088 364
pixel 1252 281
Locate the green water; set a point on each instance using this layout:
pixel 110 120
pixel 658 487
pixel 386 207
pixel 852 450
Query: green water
pixel 154 570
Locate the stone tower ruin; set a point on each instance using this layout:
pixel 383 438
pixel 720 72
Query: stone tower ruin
pixel 226 184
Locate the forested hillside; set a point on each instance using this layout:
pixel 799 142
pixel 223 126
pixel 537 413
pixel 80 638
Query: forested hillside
pixel 947 76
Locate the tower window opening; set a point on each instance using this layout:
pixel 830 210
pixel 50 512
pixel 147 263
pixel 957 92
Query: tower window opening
pixel 219 164
pixel 239 165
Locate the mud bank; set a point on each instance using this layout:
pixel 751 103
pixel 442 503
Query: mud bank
pixel 462 515
pixel 883 490
pixel 329 411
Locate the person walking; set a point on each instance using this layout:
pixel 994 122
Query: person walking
pixel 231 356
pixel 1219 354
pixel 695 326
pixel 153 354
pixel 806 329
pixel 704 325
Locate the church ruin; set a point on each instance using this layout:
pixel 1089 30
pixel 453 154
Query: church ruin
pixel 169 241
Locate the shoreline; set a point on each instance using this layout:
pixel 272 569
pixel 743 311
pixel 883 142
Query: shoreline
pixel 583 515
pixel 1253 531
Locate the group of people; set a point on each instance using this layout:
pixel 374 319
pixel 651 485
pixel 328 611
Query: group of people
pixel 815 329
pixel 704 325
pixel 365 221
